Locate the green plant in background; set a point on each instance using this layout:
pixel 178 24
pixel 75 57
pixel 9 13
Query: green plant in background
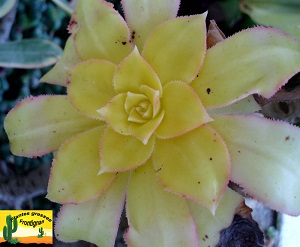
pixel 63 4
pixel 29 53
pixel 282 14
pixel 6 6
pixel 41 232
pixel 11 227
pixel 39 27
pixel 26 53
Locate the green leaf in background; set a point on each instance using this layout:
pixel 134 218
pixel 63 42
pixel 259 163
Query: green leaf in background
pixel 282 14
pixel 231 10
pixel 6 6
pixel 64 5
pixel 29 53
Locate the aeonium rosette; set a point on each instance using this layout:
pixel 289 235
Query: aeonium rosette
pixel 154 116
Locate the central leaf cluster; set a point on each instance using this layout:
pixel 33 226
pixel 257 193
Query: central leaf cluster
pixel 144 106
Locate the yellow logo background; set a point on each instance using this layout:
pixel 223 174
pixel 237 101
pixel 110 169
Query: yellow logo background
pixel 29 222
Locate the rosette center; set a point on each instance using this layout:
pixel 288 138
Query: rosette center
pixel 143 106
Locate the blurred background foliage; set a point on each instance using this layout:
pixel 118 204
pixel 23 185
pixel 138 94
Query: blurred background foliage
pixel 32 35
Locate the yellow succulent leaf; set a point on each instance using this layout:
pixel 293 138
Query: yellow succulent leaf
pixel 99 31
pixel 90 86
pixel 132 153
pixel 86 220
pixel 144 131
pixel 176 48
pixel 195 166
pixel 39 125
pixel 209 226
pixel 115 115
pixel 265 159
pixel 74 172
pixel 59 73
pixel 183 110
pixel 155 217
pixel 244 106
pixel 133 72
pixel 143 16
pixel 261 61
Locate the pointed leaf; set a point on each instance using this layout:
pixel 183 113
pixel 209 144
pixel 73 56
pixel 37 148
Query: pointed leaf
pixel 143 132
pixel 74 171
pixel 6 6
pixel 133 72
pixel 265 159
pixel 90 86
pixel 257 60
pixel 208 225
pixel 29 53
pixel 282 14
pixel 156 218
pixel 176 48
pixel 115 115
pixel 131 152
pixel 64 5
pixel 194 165
pixel 99 31
pixel 59 73
pixel 96 221
pixel 243 106
pixel 143 16
pixel 183 110
pixel 39 125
